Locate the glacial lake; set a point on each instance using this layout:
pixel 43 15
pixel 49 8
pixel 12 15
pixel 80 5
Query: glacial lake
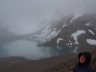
pixel 29 50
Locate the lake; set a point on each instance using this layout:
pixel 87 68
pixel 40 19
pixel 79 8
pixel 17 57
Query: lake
pixel 29 50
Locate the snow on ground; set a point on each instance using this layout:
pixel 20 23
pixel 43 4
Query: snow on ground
pixel 91 41
pixel 77 34
pixel 46 31
pixel 58 40
pixel 64 25
pixel 88 24
pixel 52 33
pixel 91 32
pixel 75 16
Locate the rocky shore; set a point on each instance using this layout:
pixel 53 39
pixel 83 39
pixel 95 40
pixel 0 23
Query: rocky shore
pixel 63 63
pixel 69 65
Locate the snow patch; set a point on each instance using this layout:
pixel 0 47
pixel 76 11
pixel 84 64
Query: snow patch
pixel 59 40
pixel 88 24
pixel 91 32
pixel 75 16
pixel 91 41
pixel 77 34
pixel 64 25
pixel 52 33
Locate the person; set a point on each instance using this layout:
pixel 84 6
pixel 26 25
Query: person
pixel 84 63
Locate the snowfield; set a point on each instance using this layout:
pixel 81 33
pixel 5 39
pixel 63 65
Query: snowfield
pixel 54 35
pixel 91 32
pixel 77 34
pixel 91 41
pixel 51 34
pixel 58 40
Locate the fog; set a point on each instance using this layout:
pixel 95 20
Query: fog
pixel 24 16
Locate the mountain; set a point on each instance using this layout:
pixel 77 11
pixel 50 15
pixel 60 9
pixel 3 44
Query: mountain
pixel 70 30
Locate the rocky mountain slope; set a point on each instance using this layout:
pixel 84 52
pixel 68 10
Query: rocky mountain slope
pixel 70 30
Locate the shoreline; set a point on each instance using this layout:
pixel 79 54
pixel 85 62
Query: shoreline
pixel 20 64
pixel 17 64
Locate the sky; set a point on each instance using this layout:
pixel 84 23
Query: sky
pixel 25 16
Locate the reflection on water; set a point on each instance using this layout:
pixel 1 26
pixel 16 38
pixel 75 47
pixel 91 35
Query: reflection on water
pixel 28 49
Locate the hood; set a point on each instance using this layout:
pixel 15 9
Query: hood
pixel 87 56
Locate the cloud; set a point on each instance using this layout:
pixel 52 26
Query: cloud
pixel 23 16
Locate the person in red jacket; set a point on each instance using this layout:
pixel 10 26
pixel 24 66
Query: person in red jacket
pixel 84 63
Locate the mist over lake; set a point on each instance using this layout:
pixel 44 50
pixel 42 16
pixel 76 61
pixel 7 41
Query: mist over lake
pixel 29 50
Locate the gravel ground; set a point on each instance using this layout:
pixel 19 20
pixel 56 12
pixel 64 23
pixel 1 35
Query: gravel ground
pixel 69 65
pixel 63 63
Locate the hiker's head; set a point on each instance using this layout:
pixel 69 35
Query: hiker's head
pixel 84 57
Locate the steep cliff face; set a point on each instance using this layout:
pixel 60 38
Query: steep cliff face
pixel 71 30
